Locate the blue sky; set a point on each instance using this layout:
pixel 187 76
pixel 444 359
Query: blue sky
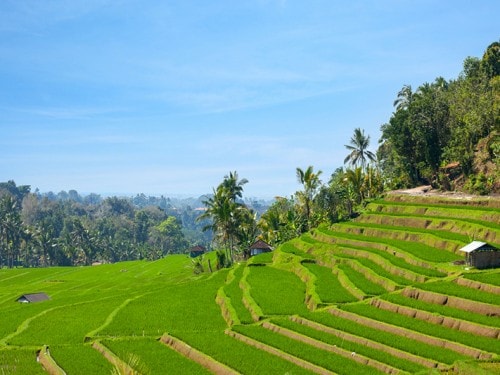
pixel 167 97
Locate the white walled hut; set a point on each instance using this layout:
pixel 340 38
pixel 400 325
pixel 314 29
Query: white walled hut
pixel 481 255
pixel 260 247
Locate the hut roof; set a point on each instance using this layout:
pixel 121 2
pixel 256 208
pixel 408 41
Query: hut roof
pixel 261 245
pixel 33 297
pixel 473 246
pixel 197 249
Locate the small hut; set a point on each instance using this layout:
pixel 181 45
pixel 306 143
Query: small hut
pixel 481 255
pixel 33 297
pixel 196 251
pixel 260 247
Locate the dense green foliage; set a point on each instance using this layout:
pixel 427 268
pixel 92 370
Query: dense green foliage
pixel 40 230
pixel 446 122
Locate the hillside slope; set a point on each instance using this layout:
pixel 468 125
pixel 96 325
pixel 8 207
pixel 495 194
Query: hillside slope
pixel 385 293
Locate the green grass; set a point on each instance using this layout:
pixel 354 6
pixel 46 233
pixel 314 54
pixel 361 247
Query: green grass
pixel 418 250
pixel 80 359
pixel 263 258
pixel 153 356
pixel 399 262
pixel 453 289
pixel 130 305
pixel 361 282
pixel 48 327
pixel 442 310
pixel 327 360
pixel 288 247
pixel 173 309
pixel 364 350
pixel 484 343
pixel 328 286
pixel 400 342
pixel 474 215
pixel 438 233
pixel 378 269
pixel 277 292
pixel 487 277
pixel 19 362
pixel 243 358
pixel 234 292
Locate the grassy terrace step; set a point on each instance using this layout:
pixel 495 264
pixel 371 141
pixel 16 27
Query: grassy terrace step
pixel 361 282
pixel 488 345
pixel 277 292
pixel 487 217
pixel 485 309
pixel 488 277
pixel 325 359
pixel 20 361
pixel 442 310
pixel 380 271
pixel 480 203
pixel 452 289
pixel 289 247
pixel 328 287
pixel 399 257
pixel 387 260
pixel 236 354
pixel 385 283
pixel 426 254
pixel 235 294
pixel 148 355
pixel 454 323
pixel 410 226
pixel 351 343
pixel 322 345
pixel 378 335
pixel 427 246
pixel 445 227
pixel 80 359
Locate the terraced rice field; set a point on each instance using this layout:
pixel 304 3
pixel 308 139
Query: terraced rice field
pixel 381 294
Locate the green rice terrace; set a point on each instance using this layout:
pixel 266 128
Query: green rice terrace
pixel 385 293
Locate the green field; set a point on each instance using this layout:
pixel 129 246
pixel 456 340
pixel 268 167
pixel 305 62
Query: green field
pixel 226 316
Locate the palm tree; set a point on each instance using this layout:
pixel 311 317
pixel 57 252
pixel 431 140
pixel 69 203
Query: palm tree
pixel 311 182
pixel 224 212
pixel 358 148
pixel 404 99
pixel 233 187
pixel 11 229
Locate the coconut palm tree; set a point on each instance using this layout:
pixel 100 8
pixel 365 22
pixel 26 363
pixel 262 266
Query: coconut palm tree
pixel 404 99
pixel 224 212
pixel 358 148
pixel 311 182
pixel 233 186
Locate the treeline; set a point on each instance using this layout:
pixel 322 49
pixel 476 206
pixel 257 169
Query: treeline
pixel 447 133
pixel 68 229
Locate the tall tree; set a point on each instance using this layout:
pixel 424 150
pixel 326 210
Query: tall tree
pixel 358 147
pixel 311 183
pixel 404 98
pixel 223 211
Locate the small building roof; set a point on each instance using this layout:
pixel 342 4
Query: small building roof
pixel 33 297
pixel 197 249
pixel 260 245
pixel 474 245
